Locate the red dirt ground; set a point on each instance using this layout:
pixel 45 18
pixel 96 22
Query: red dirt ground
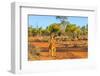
pixel 59 55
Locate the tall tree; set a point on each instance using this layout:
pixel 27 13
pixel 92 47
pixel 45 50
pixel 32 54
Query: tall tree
pixel 64 22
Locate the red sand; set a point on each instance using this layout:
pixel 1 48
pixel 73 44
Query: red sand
pixel 40 44
pixel 59 55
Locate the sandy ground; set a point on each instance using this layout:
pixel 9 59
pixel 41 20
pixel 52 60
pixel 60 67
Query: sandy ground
pixel 67 53
pixel 60 55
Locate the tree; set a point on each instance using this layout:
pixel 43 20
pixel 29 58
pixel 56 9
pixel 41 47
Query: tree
pixel 30 29
pixel 73 31
pixel 45 32
pixel 84 31
pixel 39 31
pixel 64 22
pixel 78 31
pixel 34 31
pixel 54 28
pixel 62 18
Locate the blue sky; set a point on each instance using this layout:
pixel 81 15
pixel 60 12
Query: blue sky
pixel 44 21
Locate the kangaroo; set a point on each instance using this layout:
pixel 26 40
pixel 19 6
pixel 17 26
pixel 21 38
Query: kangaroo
pixel 52 45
